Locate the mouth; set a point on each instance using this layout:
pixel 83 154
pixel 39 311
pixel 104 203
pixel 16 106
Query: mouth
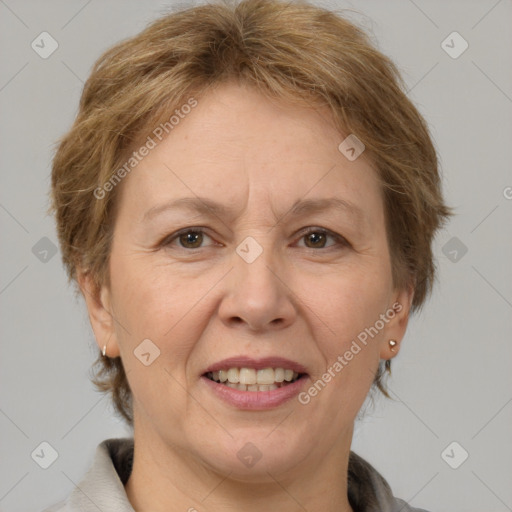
pixel 253 380
pixel 255 384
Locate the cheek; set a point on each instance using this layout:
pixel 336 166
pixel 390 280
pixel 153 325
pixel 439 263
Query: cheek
pixel 142 290
pixel 357 297
pixel 152 306
pixel 351 308
pixel 152 302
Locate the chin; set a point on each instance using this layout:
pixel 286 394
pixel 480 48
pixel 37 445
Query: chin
pixel 253 455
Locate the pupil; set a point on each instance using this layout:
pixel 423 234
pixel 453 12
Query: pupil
pixel 191 237
pixel 316 237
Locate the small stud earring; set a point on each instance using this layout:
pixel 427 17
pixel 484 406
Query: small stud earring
pixel 392 344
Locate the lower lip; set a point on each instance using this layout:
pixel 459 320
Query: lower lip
pixel 255 400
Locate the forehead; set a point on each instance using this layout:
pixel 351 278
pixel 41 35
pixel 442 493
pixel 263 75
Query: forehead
pixel 237 144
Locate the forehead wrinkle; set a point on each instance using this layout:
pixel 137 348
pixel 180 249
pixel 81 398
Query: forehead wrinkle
pixel 200 205
pixel 300 208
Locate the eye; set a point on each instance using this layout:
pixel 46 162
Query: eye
pixel 317 238
pixel 188 238
pixel 192 238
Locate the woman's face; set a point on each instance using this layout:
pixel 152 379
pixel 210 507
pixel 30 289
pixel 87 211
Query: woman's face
pixel 244 281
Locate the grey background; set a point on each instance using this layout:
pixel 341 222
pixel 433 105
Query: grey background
pixel 452 380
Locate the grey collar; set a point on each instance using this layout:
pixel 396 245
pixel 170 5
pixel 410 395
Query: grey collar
pixel 102 487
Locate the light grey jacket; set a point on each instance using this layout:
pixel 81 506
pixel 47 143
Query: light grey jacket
pixel 102 488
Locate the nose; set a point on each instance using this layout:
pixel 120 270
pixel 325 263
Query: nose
pixel 258 296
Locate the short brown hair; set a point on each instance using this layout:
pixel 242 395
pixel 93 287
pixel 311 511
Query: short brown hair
pixel 293 51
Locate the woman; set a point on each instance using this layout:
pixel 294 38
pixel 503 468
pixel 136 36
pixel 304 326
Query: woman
pixel 247 202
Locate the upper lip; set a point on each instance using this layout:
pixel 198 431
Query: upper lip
pixel 257 364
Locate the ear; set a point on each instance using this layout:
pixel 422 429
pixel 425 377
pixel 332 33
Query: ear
pixel 99 306
pixel 397 321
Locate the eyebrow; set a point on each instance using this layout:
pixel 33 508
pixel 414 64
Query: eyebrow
pixel 301 207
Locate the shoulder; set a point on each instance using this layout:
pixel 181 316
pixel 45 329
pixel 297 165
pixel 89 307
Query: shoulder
pixel 58 507
pixel 103 485
pixel 368 491
pixel 402 506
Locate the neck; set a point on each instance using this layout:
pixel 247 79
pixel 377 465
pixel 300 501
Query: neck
pixel 167 478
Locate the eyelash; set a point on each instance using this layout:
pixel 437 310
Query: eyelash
pixel 167 241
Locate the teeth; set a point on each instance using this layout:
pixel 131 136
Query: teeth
pixel 252 387
pixel 279 374
pixel 247 376
pixel 265 376
pixel 288 375
pixel 249 379
pixel 233 375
